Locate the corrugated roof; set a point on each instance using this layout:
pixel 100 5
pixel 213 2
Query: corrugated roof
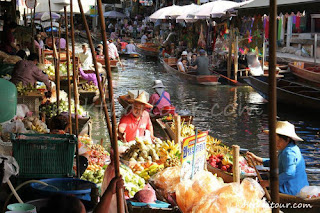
pixel 265 3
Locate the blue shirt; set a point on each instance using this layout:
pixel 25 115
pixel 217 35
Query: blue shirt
pixel 292 170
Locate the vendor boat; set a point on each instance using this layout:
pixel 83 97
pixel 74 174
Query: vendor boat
pixel 208 80
pixel 148 49
pixel 113 63
pixel 306 71
pixel 288 92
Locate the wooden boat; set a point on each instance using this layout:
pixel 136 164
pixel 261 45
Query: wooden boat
pixel 129 55
pixel 288 92
pixel 209 80
pixel 113 63
pixel 294 200
pixel 306 71
pixel 147 50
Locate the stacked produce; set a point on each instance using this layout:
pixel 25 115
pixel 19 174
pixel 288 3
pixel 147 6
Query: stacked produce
pixel 90 87
pixel 33 123
pixel 98 155
pixel 187 129
pixel 170 153
pixel 62 69
pixel 93 173
pixel 50 109
pixel 23 90
pixel 132 182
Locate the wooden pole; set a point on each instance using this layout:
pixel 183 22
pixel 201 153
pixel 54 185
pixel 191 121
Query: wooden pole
pixel 75 85
pixel 68 69
pixel 274 179
pixel 111 129
pixel 177 124
pixel 236 167
pixel 315 48
pixel 58 69
pixel 32 29
pixel 113 136
pixel 236 59
pixel 229 62
pixel 24 17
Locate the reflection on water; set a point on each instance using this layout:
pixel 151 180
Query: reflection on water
pixel 235 115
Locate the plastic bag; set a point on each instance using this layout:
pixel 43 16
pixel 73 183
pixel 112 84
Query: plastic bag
pixel 310 192
pixel 16 126
pixel 251 189
pixel 186 196
pixel 168 178
pixel 11 167
pixel 22 111
pixel 205 183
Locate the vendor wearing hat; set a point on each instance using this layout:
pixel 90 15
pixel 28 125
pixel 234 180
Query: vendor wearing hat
pixel 130 48
pixel 292 174
pixel 160 98
pixel 135 123
pixel 85 57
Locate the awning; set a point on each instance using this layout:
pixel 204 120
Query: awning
pixel 265 3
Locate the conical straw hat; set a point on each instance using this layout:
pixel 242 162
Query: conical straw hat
pixel 143 99
pixel 287 129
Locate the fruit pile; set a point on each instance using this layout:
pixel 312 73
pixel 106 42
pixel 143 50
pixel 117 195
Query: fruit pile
pixel 34 124
pixel 167 118
pixel 50 109
pixel 132 182
pixel 220 161
pixel 187 129
pixel 90 87
pixel 23 90
pixel 93 173
pixel 98 155
pixel 170 153
pixel 63 69
pixel 215 147
pixel 150 171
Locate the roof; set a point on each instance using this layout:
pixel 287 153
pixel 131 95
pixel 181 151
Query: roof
pixel 265 3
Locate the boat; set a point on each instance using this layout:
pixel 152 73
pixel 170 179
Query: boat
pixel 129 55
pixel 209 80
pixel 148 50
pixel 288 92
pixel 306 71
pixel 293 200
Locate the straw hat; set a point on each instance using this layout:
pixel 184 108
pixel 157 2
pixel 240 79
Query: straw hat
pixel 184 53
pixel 158 84
pixel 100 67
pixel 287 129
pixel 143 100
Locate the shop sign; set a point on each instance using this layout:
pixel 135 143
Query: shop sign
pixel 93 10
pixel 31 4
pixel 191 165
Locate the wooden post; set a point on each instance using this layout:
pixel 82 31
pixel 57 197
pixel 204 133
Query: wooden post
pixel 32 29
pixel 24 17
pixel 68 69
pixel 236 167
pixel 58 69
pixel 272 106
pixel 236 59
pixel 315 48
pixel 75 85
pixel 229 62
pixel 177 124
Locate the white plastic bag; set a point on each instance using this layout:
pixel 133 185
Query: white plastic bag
pixel 11 167
pixel 310 192
pixel 16 126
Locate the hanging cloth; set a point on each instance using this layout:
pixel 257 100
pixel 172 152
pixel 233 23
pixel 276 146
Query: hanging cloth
pixel 283 24
pixel 289 27
pixel 266 27
pixel 303 23
pixel 279 28
pixel 298 23
pixel 294 20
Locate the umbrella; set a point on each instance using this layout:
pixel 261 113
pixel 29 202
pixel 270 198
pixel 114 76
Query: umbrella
pixel 188 9
pixel 161 13
pixel 217 8
pixel 114 14
pixel 43 16
pixel 58 5
pixel 48 24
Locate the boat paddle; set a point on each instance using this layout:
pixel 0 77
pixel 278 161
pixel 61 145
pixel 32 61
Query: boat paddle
pixel 243 151
pixel 229 79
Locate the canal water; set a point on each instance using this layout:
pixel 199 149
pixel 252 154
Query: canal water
pixel 235 115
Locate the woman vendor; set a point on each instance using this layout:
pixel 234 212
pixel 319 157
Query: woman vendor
pixel 292 174
pixel 159 99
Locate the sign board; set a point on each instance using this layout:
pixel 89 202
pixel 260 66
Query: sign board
pixel 187 155
pixel 93 10
pixel 31 4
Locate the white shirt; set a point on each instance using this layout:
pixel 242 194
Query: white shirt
pixel 180 64
pixel 130 48
pixel 144 39
pixel 113 51
pixel 110 26
pixel 85 60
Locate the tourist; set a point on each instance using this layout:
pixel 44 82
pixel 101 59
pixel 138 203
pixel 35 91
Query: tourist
pixel 135 123
pixel 130 48
pixel 144 38
pixel 184 55
pixel 27 72
pixel 85 57
pixel 159 99
pixel 193 58
pixel 8 44
pixel 182 65
pixel 201 65
pixel 292 168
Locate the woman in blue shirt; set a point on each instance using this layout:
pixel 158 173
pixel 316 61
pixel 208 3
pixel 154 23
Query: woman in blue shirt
pixel 292 174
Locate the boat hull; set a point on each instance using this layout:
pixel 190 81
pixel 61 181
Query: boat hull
pixel 147 51
pixel 288 92
pixel 307 73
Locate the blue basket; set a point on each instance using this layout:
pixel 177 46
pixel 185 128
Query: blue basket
pixel 157 204
pixel 77 187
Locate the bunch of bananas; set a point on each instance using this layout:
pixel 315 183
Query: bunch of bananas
pixel 168 149
pixel 186 129
pixel 22 90
pixel 90 87
pixel 215 147
pixel 149 172
pixel 171 162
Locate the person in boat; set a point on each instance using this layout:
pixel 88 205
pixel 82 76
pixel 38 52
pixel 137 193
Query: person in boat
pixel 62 42
pixel 201 65
pixel 85 57
pixel 91 77
pixel 182 65
pixel 159 99
pixel 27 72
pixel 121 45
pixel 144 38
pixel 135 123
pixel 59 124
pixel 113 51
pixel 130 48
pixel 184 55
pixel 99 50
pixel 292 174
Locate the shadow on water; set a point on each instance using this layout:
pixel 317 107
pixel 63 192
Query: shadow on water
pixel 235 115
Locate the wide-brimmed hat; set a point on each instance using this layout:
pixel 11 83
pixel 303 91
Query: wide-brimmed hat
pixel 158 84
pixel 184 53
pixel 142 98
pixel 100 67
pixel 287 129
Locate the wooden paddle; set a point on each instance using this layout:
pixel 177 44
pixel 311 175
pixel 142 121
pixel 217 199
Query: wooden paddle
pixel 229 79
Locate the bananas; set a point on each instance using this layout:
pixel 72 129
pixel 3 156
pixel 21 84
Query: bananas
pixel 90 87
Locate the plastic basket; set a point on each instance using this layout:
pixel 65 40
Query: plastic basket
pixel 45 155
